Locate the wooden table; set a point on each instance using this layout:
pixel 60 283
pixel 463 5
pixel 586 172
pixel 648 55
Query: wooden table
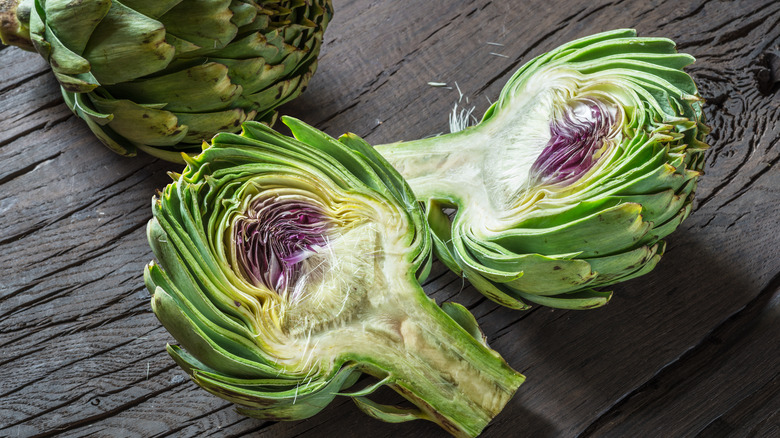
pixel 691 348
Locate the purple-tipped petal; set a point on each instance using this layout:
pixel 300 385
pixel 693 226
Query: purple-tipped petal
pixel 575 145
pixel 274 236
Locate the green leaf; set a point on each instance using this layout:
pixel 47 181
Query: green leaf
pixel 387 413
pixel 126 45
pixel 587 299
pixel 203 88
pixel 73 22
pixel 186 21
pixel 141 124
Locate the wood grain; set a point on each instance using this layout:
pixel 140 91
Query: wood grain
pixel 693 348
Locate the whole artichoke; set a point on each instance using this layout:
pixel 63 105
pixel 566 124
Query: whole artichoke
pixel 287 268
pixel 587 160
pixel 163 76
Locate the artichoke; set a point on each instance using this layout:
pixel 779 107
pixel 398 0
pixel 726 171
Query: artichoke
pixel 587 160
pixel 164 76
pixel 288 268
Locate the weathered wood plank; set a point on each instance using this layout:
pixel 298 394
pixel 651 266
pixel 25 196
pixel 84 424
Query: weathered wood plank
pixel 741 399
pixel 81 352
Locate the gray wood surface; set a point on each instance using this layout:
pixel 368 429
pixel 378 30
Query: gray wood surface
pixel 692 348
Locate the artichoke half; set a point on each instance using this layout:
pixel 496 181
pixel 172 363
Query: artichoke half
pixel 288 268
pixel 163 76
pixel 587 160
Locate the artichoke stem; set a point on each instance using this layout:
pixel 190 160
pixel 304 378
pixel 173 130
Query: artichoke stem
pixel 14 24
pixel 439 165
pixel 454 379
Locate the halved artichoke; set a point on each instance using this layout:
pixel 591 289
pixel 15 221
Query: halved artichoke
pixel 587 160
pixel 287 268
pixel 163 76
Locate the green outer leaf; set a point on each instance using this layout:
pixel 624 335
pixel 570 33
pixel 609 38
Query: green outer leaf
pixel 186 21
pixel 465 319
pixel 82 83
pixel 370 389
pixel 96 122
pixel 387 413
pixel 584 300
pixel 494 291
pixel 126 45
pixel 141 124
pixel 614 229
pixel 440 226
pixel 63 60
pixel 203 88
pixel 201 126
pixel 74 22
pixel 618 266
pixel 151 8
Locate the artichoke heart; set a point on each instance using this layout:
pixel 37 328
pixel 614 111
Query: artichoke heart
pixel 289 268
pixel 165 76
pixel 587 160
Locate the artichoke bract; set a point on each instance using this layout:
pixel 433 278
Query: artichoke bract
pixel 164 76
pixel 288 268
pixel 587 160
